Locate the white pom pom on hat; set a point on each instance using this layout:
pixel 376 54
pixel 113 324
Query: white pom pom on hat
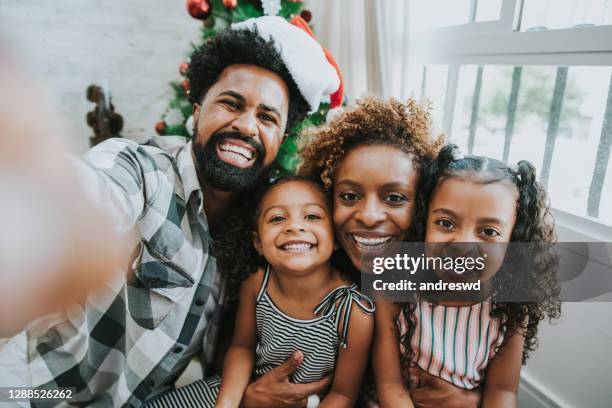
pixel 311 66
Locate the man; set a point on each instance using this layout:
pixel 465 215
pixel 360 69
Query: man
pixel 132 338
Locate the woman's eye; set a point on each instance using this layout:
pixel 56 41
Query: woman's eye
pixel 490 232
pixel 312 217
pixel 446 224
pixel 277 218
pixel 349 197
pixel 395 198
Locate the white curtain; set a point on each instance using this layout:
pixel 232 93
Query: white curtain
pixel 369 40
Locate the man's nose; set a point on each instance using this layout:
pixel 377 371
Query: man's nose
pixel 246 124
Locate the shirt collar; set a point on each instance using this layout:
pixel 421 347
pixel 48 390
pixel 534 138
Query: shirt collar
pixel 189 176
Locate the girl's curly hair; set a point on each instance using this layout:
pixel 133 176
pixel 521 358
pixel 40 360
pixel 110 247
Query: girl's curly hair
pixel 372 122
pixel 534 224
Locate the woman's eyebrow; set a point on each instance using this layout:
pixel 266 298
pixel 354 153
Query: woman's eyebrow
pixel 445 211
pixel 351 183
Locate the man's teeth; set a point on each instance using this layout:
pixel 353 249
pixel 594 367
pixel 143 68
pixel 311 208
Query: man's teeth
pixel 297 247
pixel 371 242
pixel 236 151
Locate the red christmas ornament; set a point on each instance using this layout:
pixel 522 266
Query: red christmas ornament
pixel 306 15
pixel 185 85
pixel 183 68
pixel 230 4
pixel 160 127
pixel 199 9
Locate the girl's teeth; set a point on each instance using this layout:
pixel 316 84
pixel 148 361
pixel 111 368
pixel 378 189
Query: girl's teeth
pixel 297 247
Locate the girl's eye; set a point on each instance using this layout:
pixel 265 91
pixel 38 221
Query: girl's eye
pixel 312 217
pixel 444 223
pixel 277 218
pixel 395 198
pixel 490 232
pixel 349 197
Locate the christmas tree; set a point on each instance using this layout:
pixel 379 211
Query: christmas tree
pixel 217 15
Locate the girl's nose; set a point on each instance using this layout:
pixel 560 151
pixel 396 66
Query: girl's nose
pixel 295 227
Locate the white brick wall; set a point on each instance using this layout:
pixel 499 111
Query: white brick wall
pixel 136 45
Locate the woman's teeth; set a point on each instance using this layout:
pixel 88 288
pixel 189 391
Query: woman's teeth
pixel 370 243
pixel 296 247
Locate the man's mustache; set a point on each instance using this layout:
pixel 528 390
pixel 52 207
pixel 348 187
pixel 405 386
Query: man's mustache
pixel 223 135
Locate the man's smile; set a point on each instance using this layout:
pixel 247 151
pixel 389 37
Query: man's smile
pixel 236 153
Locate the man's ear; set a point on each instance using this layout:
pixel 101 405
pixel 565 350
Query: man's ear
pixel 196 110
pixel 257 242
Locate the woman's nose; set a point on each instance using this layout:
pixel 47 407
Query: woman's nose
pixel 370 213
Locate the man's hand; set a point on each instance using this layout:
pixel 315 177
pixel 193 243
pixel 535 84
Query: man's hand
pixel 273 389
pixel 435 392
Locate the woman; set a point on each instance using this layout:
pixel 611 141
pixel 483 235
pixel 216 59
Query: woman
pixel 369 159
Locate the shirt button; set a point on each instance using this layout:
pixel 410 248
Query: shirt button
pixel 199 302
pixel 178 349
pixel 151 383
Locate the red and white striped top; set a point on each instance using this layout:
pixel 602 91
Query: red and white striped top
pixel 454 343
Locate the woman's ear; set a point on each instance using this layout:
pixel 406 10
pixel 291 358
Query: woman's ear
pixel 257 243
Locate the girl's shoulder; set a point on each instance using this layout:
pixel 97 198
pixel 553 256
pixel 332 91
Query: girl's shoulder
pixel 252 284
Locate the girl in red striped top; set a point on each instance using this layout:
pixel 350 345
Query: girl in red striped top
pixel 472 342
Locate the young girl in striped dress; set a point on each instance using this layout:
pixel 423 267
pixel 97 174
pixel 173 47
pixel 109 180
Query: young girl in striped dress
pixel 468 343
pixel 297 302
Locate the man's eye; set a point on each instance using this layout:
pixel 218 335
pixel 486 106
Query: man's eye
pixel 231 104
pixel 349 197
pixel 277 218
pixel 267 118
pixel 446 224
pixel 490 232
pixel 395 198
pixel 312 217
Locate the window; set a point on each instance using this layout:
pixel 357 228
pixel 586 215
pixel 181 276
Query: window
pixel 515 82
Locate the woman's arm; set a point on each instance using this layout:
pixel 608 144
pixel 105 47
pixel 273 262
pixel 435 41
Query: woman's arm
pixel 239 360
pixel 352 361
pixel 503 373
pixel 386 358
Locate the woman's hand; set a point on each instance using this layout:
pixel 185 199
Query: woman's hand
pixel 273 389
pixel 435 392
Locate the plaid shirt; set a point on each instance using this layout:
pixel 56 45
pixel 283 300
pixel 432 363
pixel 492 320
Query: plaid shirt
pixel 134 337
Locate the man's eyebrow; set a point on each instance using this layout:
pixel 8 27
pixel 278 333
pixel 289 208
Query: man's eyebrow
pixel 270 109
pixel 233 94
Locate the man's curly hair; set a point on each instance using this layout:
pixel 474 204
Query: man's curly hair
pixel 373 121
pixel 230 47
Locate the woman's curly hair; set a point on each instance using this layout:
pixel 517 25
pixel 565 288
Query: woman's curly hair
pixel 373 121
pixel 534 224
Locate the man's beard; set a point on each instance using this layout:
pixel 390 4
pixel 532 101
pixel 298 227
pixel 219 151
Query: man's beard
pixel 224 176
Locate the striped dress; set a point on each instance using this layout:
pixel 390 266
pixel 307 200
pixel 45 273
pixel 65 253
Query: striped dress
pixel 279 335
pixel 454 343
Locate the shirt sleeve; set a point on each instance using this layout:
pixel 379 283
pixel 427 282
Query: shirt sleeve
pixel 119 176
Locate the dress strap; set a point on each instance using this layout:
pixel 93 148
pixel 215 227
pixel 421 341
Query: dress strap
pixel 341 301
pixel 264 284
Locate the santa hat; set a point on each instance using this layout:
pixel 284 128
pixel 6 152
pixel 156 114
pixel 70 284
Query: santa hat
pixel 311 66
